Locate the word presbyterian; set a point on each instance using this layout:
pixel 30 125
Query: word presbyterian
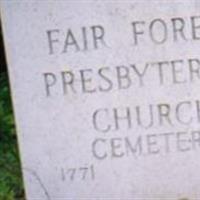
pixel 121 77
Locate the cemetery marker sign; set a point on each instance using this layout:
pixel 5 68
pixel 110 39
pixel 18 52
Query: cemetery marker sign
pixel 106 97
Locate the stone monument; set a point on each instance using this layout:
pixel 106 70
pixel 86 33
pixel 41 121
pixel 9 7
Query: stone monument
pixel 106 97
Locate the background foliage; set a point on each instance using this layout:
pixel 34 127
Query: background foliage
pixel 11 186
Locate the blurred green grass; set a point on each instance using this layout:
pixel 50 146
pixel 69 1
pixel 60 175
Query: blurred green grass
pixel 11 184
